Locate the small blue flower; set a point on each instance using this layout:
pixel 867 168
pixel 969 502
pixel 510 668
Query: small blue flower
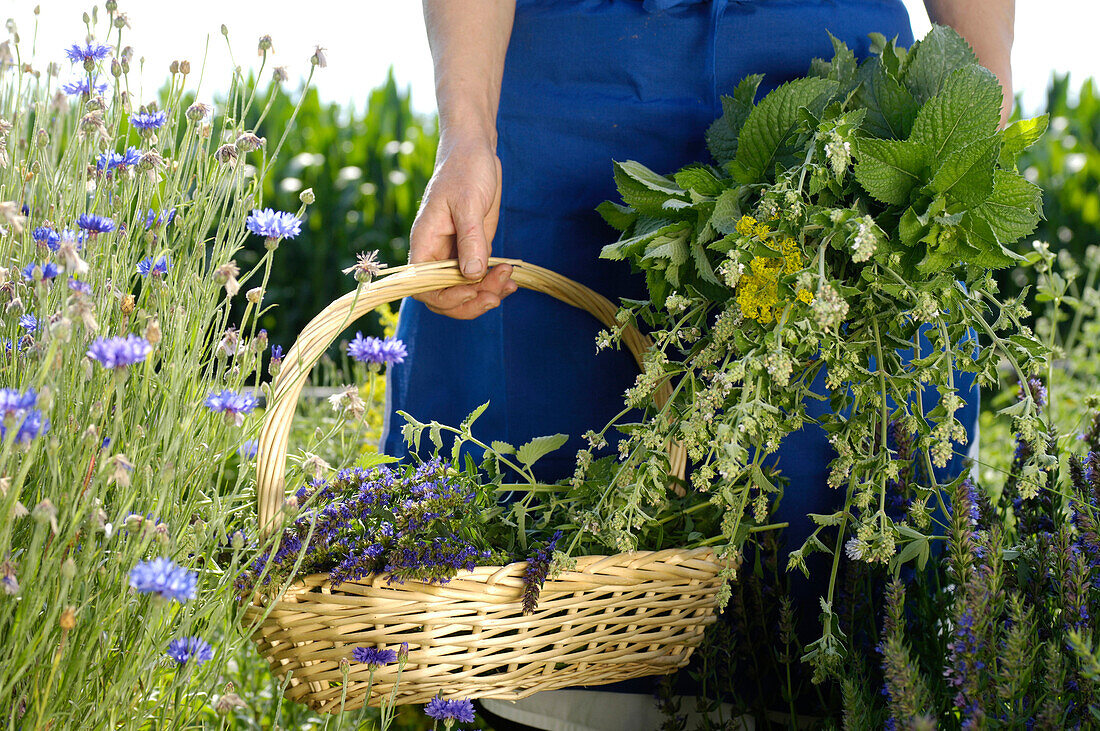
pixel 47 237
pixel 155 268
pixel 119 352
pixel 18 408
pixel 79 287
pixel 132 156
pixel 274 224
pixel 190 648
pixel 373 656
pixel 377 350
pixel 94 224
pixel 29 323
pixel 108 161
pixel 77 53
pixel 441 710
pixel 160 219
pixel 234 405
pixel 163 577
pixel 80 86
pixel 48 270
pixel 248 448
pixel 276 352
pixel 148 121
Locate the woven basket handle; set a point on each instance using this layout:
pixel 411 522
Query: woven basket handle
pixel 392 285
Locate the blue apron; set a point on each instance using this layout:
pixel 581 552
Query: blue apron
pixel 587 82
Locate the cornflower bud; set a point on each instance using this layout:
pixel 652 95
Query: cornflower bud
pixel 68 568
pixel 152 332
pixel 45 513
pixel 185 67
pixel 174 68
pixel 110 6
pixel 133 522
pixel 307 196
pixel 318 58
pixel 127 305
pixel 226 154
pixel 116 68
pixel 279 74
pixel 42 139
pixel 226 275
pixel 198 111
pixel 254 295
pixel 248 141
pixel 264 45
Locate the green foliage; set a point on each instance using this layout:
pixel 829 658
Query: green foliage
pixel 367 168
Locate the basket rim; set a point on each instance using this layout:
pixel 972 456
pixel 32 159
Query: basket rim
pixel 316 580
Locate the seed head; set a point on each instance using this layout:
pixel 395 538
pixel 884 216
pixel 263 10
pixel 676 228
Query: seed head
pixel 68 617
pixel 254 295
pixel 264 45
pixel 226 154
pixel 318 58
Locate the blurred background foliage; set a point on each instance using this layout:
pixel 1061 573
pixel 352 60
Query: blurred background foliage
pixel 368 169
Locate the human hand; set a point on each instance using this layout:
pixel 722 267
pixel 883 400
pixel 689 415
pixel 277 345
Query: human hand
pixel 457 219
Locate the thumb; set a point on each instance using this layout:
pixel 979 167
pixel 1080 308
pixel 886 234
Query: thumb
pixel 473 248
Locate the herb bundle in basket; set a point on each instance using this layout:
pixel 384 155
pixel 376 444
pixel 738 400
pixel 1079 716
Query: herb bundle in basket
pixel 849 213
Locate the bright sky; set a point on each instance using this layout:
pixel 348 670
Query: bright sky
pixel 364 37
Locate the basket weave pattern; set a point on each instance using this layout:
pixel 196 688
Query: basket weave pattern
pixel 607 619
pixel 611 618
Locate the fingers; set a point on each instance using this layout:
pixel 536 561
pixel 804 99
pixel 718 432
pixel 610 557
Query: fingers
pixel 473 248
pixel 488 293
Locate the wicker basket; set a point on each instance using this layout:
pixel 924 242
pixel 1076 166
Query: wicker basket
pixel 610 618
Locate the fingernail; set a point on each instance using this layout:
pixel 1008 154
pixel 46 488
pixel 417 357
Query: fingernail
pixel 472 268
pixel 487 306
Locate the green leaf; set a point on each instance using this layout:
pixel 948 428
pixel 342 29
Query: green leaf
pixel 723 133
pixel 617 216
pixel 761 481
pixel 890 107
pixel 990 252
pixel 671 245
pixel 890 169
pixel 502 447
pixel 701 179
pixel 648 178
pixel 772 121
pixel 373 459
pixel 632 247
pixel 644 197
pixel 1013 210
pixel 933 60
pixel 727 211
pixel 968 108
pixel 702 263
pixel 472 417
pixel 1019 136
pixel 967 173
pixel 539 447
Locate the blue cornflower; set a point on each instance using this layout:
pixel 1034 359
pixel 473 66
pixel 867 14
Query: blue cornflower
pixel 248 448
pixel 156 268
pixel 234 405
pixel 18 408
pixel 373 656
pixel 132 156
pixel 450 711
pixel 274 225
pixel 119 352
pixel 148 121
pixel 48 270
pixel 163 577
pixel 190 648
pixel 77 53
pixel 108 161
pixel 80 86
pixel 47 237
pixel 161 219
pixel 29 323
pixel 79 287
pixel 94 224
pixel 377 350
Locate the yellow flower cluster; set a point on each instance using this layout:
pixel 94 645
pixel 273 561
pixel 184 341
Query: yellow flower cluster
pixel 758 290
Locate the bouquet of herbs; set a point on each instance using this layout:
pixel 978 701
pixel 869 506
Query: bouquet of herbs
pixel 850 215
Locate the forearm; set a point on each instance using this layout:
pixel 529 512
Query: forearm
pixel 468 40
pixel 987 25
